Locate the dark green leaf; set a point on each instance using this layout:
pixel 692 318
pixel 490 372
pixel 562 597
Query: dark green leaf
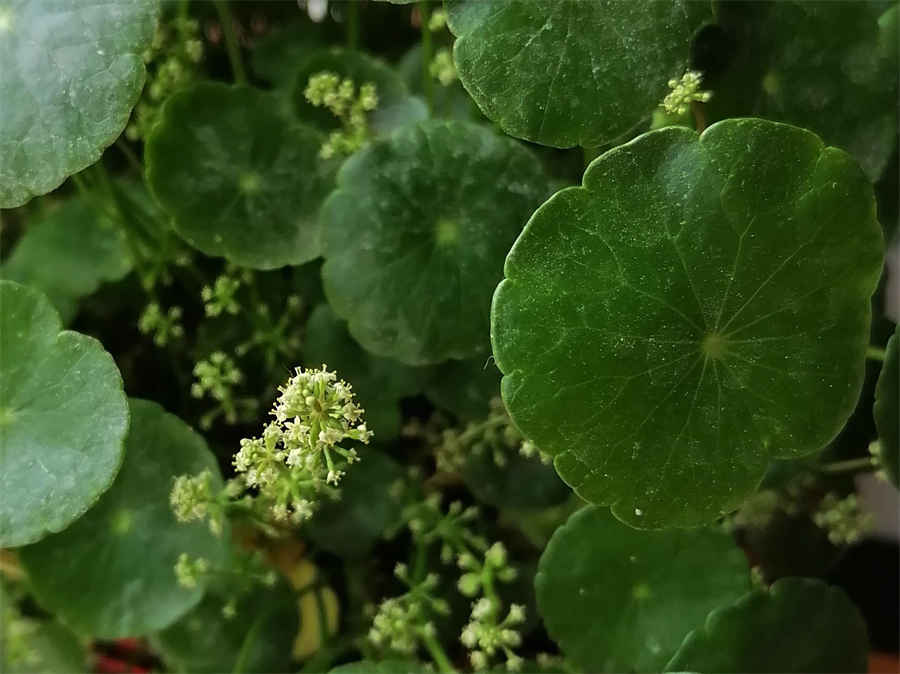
pixel 464 387
pixel 699 307
pixel 366 510
pixel 887 410
pixel 564 73
pixel 617 599
pixel 111 574
pixel 279 56
pixel 63 419
pixel 240 179
pixel 71 73
pixel 379 383
pixel 519 483
pixel 68 254
pixel 380 666
pixel 797 625
pixel 414 239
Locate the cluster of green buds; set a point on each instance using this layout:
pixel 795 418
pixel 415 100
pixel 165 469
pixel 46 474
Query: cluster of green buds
pixel 216 377
pixel 495 435
pixel 429 524
pixel 219 298
pixel 300 452
pixel 17 642
pixel 194 498
pixel 403 624
pixel 843 519
pixel 684 92
pixel 442 67
pixel 487 636
pixel 349 105
pixel 164 326
pixel 172 59
pixel 189 571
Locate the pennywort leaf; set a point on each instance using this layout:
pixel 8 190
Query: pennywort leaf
pixel 697 308
pixel 71 73
pixel 63 419
pixel 887 410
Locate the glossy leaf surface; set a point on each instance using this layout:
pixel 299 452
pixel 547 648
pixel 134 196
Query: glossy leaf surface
pixel 111 574
pixel 71 73
pixel 240 179
pixel 699 307
pixel 414 240
pixel 63 419
pixel 564 73
pixel 617 599
pixel 797 625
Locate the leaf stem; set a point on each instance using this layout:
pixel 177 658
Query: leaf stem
pixel 437 654
pixel 427 84
pixel 849 466
pixel 231 41
pixel 130 156
pixel 353 24
pixel 876 353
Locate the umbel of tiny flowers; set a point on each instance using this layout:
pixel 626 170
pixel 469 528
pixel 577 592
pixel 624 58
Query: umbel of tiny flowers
pixel 219 298
pixel 301 452
pixel 442 67
pixel 192 499
pixel 404 623
pixel 684 92
pixel 341 98
pixel 843 519
pixel 163 326
pixel 190 570
pixel 216 377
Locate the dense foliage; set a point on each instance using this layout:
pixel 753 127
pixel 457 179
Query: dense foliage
pixel 491 335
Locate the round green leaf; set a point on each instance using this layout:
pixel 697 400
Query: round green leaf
pixel 63 419
pixel 71 73
pixel 396 107
pixel 366 510
pixel 519 483
pixel 204 641
pixel 464 387
pixel 699 307
pixel 617 599
pixel 887 410
pixel 240 179
pixel 414 238
pixel 68 254
pixel 379 383
pixel 797 625
pixel 111 574
pixel 571 73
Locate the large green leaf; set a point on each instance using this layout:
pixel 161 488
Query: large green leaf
pixel 797 625
pixel 111 574
pixel 366 510
pixel 395 108
pixel 887 410
pixel 819 65
pixel 240 179
pixel 379 383
pixel 699 307
pixel 617 599
pixel 414 238
pixel 72 71
pixel 260 634
pixel 63 419
pixel 68 254
pixel 564 72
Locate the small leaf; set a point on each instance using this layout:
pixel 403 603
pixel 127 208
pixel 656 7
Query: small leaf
pixel 621 600
pixel 71 73
pixel 887 410
pixel 365 511
pixel 571 73
pixel 63 419
pixel 414 239
pixel 111 574
pixel 797 625
pixel 379 383
pixel 68 254
pixel 396 107
pixel 699 307
pixel 240 179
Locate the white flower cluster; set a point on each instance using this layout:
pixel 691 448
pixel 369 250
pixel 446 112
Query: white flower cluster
pixel 193 499
pixel 300 451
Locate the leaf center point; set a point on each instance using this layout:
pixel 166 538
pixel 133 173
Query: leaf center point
pixel 714 345
pixel 446 232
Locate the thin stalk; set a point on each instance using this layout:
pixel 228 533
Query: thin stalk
pixel 437 654
pixel 241 661
pixel 130 156
pixel 231 41
pixel 353 24
pixel 849 466
pixel 876 353
pixel 427 83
